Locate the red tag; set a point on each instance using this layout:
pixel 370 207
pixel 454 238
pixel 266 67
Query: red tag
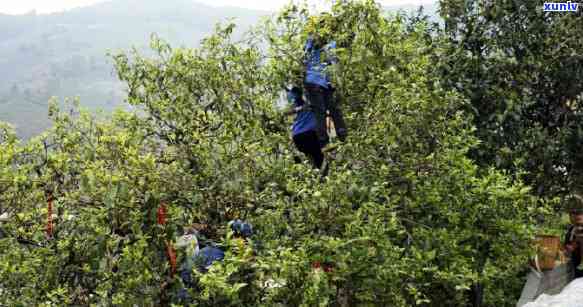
pixel 171 257
pixel 49 228
pixel 161 215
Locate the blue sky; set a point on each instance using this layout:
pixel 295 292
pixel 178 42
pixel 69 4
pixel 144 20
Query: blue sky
pixel 48 6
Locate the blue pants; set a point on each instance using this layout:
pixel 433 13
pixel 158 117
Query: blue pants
pixel 308 143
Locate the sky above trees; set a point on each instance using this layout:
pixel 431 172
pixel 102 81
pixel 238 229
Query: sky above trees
pixel 49 6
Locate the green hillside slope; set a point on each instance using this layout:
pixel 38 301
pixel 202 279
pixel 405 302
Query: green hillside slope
pixel 64 54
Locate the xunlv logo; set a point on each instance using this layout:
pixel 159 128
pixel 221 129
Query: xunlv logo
pixel 561 7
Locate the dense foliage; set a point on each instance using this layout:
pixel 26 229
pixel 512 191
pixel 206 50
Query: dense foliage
pixel 407 216
pixel 520 68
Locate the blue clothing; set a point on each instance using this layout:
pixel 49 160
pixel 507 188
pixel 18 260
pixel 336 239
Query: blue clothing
pixel 316 68
pixel 305 120
pixel 203 260
pixel 208 256
pixel 241 228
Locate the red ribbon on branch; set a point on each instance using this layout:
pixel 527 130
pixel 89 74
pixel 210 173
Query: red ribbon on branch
pixel 171 252
pixel 161 214
pixel 161 217
pixel 326 267
pixel 49 228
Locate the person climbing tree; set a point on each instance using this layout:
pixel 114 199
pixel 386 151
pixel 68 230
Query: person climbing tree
pixel 195 258
pixel 317 82
pixel 304 128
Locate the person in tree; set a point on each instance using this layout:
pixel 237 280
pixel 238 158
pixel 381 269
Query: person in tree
pixel 574 234
pixel 202 259
pixel 319 61
pixel 304 127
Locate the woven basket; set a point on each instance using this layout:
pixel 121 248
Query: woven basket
pixel 548 248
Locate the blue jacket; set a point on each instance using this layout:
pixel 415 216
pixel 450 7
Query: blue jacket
pixel 305 120
pixel 316 68
pixel 203 260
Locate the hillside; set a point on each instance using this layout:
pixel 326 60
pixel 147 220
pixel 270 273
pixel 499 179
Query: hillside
pixel 64 54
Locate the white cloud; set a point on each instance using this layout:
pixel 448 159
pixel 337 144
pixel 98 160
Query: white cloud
pixel 48 6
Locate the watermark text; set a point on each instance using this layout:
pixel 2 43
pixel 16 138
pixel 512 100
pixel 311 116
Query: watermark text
pixel 561 6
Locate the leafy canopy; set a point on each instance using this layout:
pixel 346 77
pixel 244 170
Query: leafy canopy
pixel 404 218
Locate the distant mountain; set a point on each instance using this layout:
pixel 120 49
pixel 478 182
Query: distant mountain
pixel 64 54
